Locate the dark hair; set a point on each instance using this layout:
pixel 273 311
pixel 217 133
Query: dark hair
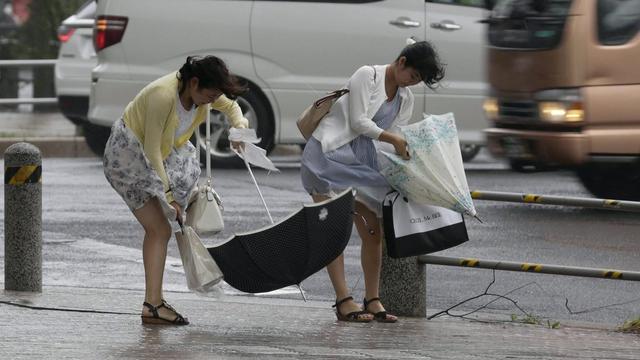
pixel 423 57
pixel 212 73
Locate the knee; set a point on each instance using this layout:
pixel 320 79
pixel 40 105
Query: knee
pixel 159 231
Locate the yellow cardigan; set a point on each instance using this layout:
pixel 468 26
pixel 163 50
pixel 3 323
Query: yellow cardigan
pixel 153 119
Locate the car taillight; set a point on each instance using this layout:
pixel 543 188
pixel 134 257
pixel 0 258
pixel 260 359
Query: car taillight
pixel 64 33
pixel 108 30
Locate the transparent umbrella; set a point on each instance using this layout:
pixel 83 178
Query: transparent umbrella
pixel 435 173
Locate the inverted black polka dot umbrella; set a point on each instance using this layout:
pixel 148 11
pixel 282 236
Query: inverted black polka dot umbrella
pixel 289 251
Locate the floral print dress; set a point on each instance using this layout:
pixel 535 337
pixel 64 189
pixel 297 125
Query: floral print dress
pixel 130 173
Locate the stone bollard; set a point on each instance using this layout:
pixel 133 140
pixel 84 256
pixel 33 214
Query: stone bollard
pixel 403 286
pixel 23 218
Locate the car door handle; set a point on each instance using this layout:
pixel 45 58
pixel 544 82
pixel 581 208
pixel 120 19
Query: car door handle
pixel 446 25
pixel 405 22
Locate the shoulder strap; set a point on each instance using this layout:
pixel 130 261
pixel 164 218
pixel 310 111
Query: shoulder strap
pixel 375 73
pixel 208 142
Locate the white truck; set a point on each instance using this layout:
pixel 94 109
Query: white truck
pixel 289 52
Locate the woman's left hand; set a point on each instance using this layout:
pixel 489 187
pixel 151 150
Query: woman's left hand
pixel 400 144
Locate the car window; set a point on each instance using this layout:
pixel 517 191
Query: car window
pixel 618 21
pixel 472 3
pixel 87 10
pixel 528 24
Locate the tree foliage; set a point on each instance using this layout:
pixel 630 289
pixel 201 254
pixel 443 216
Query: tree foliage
pixel 37 38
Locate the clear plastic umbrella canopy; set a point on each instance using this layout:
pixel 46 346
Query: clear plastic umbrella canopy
pixel 435 173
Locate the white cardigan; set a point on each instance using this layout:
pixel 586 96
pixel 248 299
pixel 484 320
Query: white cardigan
pixel 351 115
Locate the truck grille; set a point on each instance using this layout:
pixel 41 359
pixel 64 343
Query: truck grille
pixel 524 110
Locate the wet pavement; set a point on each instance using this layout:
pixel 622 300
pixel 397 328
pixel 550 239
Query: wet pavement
pixel 251 327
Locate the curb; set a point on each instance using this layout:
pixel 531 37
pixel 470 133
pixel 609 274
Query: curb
pixel 50 147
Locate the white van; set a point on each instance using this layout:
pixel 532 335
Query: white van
pixel 290 52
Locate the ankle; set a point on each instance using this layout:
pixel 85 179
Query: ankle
pixel 154 300
pixel 372 302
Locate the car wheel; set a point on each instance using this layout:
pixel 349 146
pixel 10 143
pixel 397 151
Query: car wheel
pixel 469 151
pixel 621 182
pixel 255 110
pixel 96 137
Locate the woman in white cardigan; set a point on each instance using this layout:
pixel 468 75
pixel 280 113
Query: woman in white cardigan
pixel 342 153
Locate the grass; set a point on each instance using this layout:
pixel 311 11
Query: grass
pixel 630 326
pixel 534 320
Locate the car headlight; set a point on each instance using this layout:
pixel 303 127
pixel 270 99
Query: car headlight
pixel 491 108
pixel 561 112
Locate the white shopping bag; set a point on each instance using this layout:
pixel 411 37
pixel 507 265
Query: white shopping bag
pixel 412 229
pixel 202 272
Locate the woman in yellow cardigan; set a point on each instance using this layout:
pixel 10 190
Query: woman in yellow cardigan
pixel 151 164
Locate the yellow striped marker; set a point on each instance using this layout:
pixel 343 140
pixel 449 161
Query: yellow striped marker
pixel 612 274
pixel 20 175
pixel 531 267
pixel 469 262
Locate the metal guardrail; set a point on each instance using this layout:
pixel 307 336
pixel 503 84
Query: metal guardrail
pixel 531 267
pixel 27 64
pixel 18 101
pixel 607 204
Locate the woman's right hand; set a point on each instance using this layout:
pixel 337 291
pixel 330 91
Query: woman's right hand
pixel 178 211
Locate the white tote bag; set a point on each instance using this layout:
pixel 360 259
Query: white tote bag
pixel 202 272
pixel 204 213
pixel 413 229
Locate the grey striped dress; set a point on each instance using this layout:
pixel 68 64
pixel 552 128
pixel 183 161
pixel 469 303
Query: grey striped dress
pixel 351 165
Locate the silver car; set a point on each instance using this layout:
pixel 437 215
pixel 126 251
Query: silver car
pixel 76 59
pixel 290 52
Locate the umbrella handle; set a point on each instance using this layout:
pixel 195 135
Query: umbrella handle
pixel 366 223
pixel 246 163
pixel 304 297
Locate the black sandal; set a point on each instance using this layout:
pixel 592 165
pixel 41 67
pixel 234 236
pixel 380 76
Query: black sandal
pixel 158 320
pixel 380 316
pixel 354 316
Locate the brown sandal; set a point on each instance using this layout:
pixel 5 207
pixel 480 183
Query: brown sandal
pixel 158 320
pixel 354 316
pixel 381 316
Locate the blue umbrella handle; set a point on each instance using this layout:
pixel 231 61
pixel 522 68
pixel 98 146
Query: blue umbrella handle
pixel 366 223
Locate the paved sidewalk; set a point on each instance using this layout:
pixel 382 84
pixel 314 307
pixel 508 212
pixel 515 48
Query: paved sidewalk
pixel 52 133
pixel 266 328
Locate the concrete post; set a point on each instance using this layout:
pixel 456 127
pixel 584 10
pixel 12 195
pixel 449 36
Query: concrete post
pixel 23 218
pixel 403 286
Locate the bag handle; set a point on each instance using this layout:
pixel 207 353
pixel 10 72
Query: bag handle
pixel 338 93
pixel 391 202
pixel 332 95
pixel 212 194
pixel 208 144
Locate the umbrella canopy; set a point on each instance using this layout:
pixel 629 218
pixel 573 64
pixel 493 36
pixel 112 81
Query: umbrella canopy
pixel 435 173
pixel 288 251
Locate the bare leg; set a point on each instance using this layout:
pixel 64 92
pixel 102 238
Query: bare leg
pixel 154 253
pixel 337 276
pixel 371 254
pixel 371 250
